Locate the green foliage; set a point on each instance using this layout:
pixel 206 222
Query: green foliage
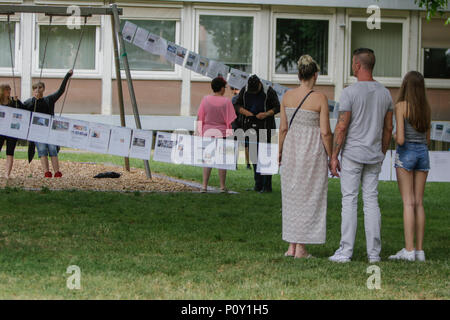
pixel 232 37
pixel 433 7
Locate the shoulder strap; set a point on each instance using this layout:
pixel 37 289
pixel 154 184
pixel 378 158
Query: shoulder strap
pixel 299 106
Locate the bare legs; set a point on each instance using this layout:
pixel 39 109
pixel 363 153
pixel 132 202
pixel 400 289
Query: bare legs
pixel 297 250
pixel 207 174
pixel 45 165
pixel 412 187
pixel 8 166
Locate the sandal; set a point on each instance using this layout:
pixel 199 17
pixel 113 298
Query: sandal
pixel 309 256
pixel 203 190
pixel 286 254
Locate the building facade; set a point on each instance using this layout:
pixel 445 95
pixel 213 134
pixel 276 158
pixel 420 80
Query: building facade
pixel 263 37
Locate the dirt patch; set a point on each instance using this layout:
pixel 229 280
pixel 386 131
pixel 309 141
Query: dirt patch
pixel 80 176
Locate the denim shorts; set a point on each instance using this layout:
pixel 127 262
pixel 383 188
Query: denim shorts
pixel 412 157
pixel 45 149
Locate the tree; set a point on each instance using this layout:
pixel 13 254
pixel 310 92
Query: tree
pixel 433 7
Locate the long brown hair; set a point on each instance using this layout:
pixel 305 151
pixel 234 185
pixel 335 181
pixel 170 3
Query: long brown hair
pixel 418 111
pixel 3 99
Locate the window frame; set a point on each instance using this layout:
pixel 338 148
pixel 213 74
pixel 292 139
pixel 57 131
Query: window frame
pixel 222 11
pixel 149 74
pixel 432 83
pixel 95 73
pixel 387 81
pixel 293 78
pixel 6 71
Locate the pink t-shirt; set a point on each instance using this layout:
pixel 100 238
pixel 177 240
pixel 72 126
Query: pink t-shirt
pixel 215 115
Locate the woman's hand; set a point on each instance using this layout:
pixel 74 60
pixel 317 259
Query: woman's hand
pixel 280 155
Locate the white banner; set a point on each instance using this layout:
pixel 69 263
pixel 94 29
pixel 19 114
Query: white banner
pixel 18 123
pixel 59 131
pixel 267 159
pixel 164 144
pixel 98 137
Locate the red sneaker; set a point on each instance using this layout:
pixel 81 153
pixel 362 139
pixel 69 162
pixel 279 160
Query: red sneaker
pixel 48 174
pixel 58 174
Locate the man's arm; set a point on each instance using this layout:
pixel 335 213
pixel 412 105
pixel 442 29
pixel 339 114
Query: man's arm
pixel 340 133
pixel 387 131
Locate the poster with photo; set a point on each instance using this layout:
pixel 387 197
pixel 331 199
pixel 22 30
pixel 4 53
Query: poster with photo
pixel 267 83
pixel 227 155
pixel 59 134
pixel 140 38
pixel 78 134
pixel 180 55
pixel 141 144
pixel 437 131
pixel 119 142
pixel 202 66
pixel 155 45
pixel 182 153
pixel 18 123
pixel 217 69
pixel 171 52
pixel 98 137
pixel 446 135
pixel 128 31
pixel 267 159
pixel 237 78
pixel 192 61
pixel 205 152
pixel 280 90
pixel 5 115
pixel 164 144
pixel 39 127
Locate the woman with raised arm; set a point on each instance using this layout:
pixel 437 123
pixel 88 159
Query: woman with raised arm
pixel 6 100
pixel 305 145
pixel 412 162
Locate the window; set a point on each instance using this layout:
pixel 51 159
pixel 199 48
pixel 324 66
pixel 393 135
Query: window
pixel 437 63
pixel 141 60
pixel 5 57
pixel 62 47
pixel 436 49
pixel 387 43
pixel 295 37
pixel 228 39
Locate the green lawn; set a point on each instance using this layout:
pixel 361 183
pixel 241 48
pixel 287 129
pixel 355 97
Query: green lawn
pixel 202 246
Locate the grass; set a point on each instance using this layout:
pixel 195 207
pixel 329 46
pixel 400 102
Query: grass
pixel 201 246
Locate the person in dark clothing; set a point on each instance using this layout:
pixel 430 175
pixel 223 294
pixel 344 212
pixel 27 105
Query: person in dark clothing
pixel 237 124
pixel 6 100
pixel 46 105
pixel 259 104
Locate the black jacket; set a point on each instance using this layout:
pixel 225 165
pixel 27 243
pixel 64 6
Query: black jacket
pixel 271 102
pixel 47 104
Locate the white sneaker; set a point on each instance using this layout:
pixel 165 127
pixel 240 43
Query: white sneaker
pixel 404 255
pixel 374 259
pixel 420 255
pixel 339 257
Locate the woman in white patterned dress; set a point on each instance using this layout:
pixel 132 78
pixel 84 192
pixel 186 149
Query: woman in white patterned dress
pixel 305 146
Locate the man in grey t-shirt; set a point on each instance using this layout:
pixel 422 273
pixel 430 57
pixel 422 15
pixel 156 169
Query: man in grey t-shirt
pixel 362 133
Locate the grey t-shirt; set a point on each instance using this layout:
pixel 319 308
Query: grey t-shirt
pixel 369 101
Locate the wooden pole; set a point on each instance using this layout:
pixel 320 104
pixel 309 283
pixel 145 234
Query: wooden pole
pixel 119 84
pixel 118 33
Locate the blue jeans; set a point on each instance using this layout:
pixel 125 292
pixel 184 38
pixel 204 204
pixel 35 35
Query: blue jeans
pixel 412 157
pixel 45 150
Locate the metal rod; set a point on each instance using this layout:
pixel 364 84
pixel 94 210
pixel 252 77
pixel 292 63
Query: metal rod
pixel 118 33
pixel 119 84
pixel 55 10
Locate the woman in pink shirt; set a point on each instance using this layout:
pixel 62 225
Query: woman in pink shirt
pixel 215 115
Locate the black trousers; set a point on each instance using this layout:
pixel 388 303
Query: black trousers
pixel 262 182
pixel 10 144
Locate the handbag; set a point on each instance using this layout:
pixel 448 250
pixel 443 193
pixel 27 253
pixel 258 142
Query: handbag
pixel 298 108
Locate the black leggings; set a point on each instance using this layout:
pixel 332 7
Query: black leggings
pixel 10 145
